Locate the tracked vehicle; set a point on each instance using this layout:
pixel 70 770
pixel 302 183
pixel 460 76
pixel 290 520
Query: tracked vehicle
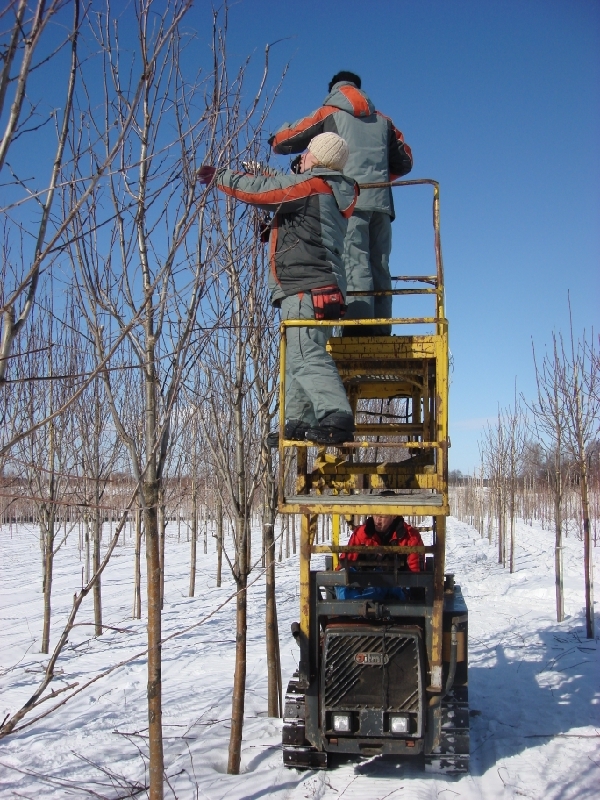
pixel 385 677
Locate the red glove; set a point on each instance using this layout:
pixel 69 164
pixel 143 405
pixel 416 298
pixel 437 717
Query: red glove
pixel 206 174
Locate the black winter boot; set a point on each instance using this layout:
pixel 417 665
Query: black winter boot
pixel 334 428
pixel 294 429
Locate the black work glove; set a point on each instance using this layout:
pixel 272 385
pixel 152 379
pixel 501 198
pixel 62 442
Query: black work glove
pixel 264 228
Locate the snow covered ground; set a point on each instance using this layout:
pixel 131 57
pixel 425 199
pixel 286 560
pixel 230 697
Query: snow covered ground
pixel 534 684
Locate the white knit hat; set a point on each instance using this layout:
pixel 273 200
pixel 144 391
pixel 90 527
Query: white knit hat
pixel 330 150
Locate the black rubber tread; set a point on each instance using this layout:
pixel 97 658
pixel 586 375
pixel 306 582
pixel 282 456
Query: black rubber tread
pixel 304 758
pixel 297 752
pixel 452 755
pixel 293 733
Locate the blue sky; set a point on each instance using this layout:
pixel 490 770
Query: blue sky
pixel 500 103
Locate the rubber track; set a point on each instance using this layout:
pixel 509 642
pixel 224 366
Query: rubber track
pixel 297 752
pixel 452 755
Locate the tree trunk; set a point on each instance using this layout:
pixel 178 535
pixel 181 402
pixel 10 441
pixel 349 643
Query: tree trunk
pixel 162 526
pixel 151 497
pixel 239 678
pixel 512 528
pixel 558 573
pixel 588 563
pixel 274 708
pixel 48 518
pixel 558 558
pixel 248 540
pixel 98 518
pixel 272 631
pixel 280 556
pixel 97 590
pixel 219 540
pixel 193 539
pixel 137 569
pixel 500 530
pixel 87 547
pixel 48 539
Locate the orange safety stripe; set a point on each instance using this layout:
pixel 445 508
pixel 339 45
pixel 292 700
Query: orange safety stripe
pixel 307 188
pixel 303 125
pixel 360 107
pixel 347 212
pixel 399 135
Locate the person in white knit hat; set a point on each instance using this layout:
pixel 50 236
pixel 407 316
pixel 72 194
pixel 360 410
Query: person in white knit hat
pixel 330 150
pixel 307 279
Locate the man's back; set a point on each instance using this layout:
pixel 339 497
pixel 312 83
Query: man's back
pixel 377 148
pixel 368 137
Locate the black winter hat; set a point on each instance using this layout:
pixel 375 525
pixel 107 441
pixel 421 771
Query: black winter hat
pixel 344 75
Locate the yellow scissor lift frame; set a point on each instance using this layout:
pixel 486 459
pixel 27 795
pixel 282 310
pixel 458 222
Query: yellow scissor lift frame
pixel 409 366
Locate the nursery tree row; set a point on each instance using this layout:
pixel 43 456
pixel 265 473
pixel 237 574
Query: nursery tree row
pixel 540 461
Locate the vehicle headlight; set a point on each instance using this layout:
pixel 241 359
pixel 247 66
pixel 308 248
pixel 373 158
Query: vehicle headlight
pixel 341 723
pixel 399 724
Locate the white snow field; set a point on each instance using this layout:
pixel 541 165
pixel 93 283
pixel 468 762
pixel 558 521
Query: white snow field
pixel 534 684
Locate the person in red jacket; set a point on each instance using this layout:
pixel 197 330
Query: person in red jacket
pixel 387 530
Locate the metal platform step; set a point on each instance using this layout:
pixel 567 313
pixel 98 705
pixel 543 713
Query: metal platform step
pixel 420 504
pixel 416 499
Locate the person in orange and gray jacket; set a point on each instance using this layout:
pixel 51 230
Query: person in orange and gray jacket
pixel 306 278
pixel 378 154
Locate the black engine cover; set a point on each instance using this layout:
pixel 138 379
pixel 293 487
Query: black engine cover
pixel 372 672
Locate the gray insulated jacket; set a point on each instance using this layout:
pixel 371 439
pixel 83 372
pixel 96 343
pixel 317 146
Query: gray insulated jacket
pixel 307 233
pixel 378 152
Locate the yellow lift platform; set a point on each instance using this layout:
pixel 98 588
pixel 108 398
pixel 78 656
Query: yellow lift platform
pixel 398 389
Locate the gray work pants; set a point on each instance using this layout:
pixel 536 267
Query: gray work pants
pixel 313 387
pixel 367 248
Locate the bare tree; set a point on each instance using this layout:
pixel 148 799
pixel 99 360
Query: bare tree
pixel 494 455
pixel 137 566
pixel 238 377
pixel 191 465
pixel 233 435
pixel 219 536
pixel 239 382
pixel 99 451
pixel 514 423
pixel 549 425
pixel 274 684
pixel 47 457
pixel 144 273
pixel 578 382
